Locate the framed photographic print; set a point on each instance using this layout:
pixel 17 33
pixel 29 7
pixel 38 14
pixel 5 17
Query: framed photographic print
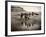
pixel 24 18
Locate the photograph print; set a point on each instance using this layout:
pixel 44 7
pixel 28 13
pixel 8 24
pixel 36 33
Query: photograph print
pixel 25 18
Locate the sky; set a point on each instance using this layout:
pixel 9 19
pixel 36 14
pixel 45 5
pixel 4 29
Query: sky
pixel 30 8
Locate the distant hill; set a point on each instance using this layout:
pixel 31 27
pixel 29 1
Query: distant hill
pixel 16 9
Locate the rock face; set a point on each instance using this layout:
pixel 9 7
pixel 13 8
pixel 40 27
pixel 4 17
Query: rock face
pixel 22 21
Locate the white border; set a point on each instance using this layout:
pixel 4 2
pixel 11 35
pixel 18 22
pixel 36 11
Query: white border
pixel 24 32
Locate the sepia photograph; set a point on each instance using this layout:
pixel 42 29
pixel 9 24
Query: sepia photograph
pixel 25 18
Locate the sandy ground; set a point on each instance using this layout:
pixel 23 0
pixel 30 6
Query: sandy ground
pixel 17 26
